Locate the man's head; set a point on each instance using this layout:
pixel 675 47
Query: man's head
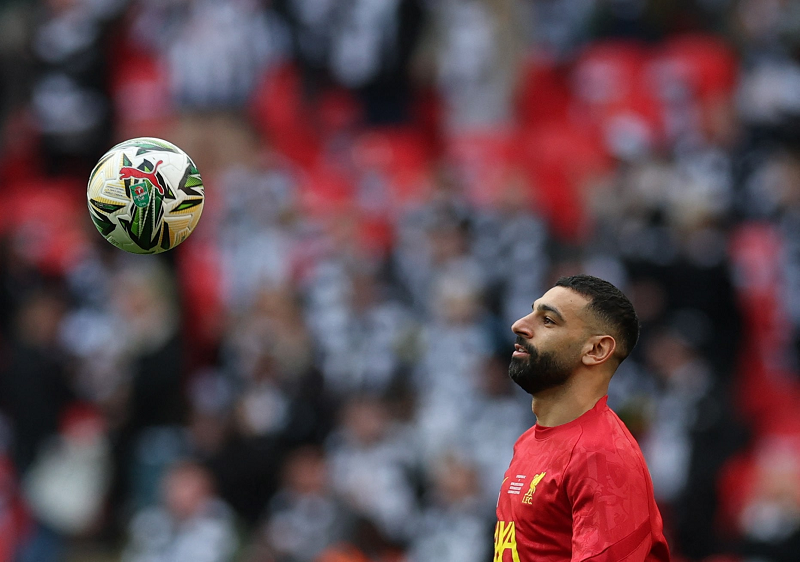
pixel 582 322
pixel 187 487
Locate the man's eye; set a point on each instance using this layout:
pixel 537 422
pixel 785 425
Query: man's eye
pixel 548 320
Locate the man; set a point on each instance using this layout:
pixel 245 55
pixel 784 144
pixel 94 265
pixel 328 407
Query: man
pixel 578 488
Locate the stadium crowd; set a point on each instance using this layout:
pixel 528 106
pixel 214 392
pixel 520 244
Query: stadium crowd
pixel 319 373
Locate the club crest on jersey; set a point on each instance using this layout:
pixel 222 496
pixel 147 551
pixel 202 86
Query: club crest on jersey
pixel 139 192
pixel 528 497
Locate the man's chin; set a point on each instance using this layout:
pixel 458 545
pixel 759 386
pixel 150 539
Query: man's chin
pixel 523 374
pixel 533 387
pixel 519 363
pixel 520 375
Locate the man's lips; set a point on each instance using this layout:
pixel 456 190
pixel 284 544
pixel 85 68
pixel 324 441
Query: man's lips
pixel 519 351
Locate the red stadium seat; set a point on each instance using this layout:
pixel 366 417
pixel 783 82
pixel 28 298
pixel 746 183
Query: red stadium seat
pixel 694 78
pixel 324 190
pixel 544 93
pixel 483 159
pixel 198 271
pixel 400 155
pixel 283 118
pixel 610 89
pixel 767 391
pixel 49 223
pixel 704 63
pixel 748 475
pixel 561 159
pixel 140 93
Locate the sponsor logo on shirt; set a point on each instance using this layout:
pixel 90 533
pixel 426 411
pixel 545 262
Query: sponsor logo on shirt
pixel 505 539
pixel 528 497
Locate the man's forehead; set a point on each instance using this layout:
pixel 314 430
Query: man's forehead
pixel 565 300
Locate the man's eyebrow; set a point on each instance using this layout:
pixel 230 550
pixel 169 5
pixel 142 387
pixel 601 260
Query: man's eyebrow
pixel 547 308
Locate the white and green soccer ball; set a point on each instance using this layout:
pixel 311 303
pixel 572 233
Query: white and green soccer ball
pixel 145 195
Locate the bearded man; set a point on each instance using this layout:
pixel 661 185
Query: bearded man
pixel 578 488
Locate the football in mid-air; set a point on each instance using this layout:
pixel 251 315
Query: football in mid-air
pixel 145 195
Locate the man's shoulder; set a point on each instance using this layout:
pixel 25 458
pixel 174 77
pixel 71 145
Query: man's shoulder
pixel 606 434
pixel 606 460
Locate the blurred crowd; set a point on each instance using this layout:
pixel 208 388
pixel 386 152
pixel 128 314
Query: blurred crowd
pixel 319 373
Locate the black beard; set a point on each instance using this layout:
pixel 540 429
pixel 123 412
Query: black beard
pixel 538 371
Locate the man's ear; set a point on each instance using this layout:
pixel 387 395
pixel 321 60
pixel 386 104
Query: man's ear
pixel 598 350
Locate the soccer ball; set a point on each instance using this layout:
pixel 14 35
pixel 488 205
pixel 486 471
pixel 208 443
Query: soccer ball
pixel 145 195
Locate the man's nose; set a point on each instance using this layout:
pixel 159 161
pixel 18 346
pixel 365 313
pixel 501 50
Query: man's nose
pixel 522 327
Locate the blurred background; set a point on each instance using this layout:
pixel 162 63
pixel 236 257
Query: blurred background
pixel 319 373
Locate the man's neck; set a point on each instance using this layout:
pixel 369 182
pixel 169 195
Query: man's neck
pixel 560 405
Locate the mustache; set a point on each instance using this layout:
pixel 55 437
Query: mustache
pixel 526 346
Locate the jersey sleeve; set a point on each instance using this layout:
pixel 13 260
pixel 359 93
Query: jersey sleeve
pixel 611 520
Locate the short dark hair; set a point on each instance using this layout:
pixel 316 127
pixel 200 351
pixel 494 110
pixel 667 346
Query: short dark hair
pixel 611 306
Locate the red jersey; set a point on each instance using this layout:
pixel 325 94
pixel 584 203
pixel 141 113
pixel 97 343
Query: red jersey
pixel 579 491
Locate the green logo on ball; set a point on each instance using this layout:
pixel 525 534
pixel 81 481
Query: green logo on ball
pixel 140 195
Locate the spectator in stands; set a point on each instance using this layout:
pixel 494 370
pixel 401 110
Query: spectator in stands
pixel 372 466
pixel 453 524
pixel 36 387
pixel 365 46
pixel 69 94
pixel 769 519
pixel 190 524
pixel 477 50
pixel 371 47
pixel 215 53
pixel 361 329
pixel 305 516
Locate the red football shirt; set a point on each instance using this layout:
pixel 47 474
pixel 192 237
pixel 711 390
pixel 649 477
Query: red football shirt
pixel 579 491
